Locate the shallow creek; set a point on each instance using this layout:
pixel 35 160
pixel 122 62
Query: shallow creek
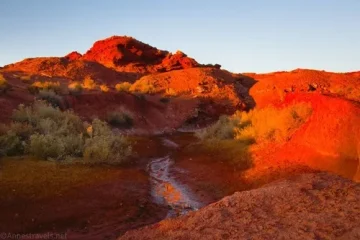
pixel 165 189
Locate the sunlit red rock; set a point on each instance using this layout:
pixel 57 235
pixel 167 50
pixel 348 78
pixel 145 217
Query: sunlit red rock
pixel 73 56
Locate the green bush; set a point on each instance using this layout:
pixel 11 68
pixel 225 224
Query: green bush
pixel 105 147
pixel 50 97
pixel 33 114
pixel 121 118
pixel 45 146
pixel 46 132
pixel 22 130
pixel 10 144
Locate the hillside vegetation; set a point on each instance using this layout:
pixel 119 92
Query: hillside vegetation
pixel 45 132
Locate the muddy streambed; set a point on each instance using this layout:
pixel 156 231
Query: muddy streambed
pixel 165 189
pixel 104 202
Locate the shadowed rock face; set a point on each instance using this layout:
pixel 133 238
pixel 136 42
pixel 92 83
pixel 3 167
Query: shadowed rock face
pixel 309 206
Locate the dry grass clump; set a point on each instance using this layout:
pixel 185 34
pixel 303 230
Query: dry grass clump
pixel 104 88
pixel 75 88
pixel 37 86
pixel 89 83
pixel 271 124
pixel 25 78
pixel 232 135
pixel 142 87
pixel 123 87
pixel 4 85
pixel 258 125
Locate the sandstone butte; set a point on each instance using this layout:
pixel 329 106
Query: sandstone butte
pixel 309 206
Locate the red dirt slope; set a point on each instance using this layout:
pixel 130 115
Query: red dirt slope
pixel 210 84
pixel 329 141
pixel 150 114
pixel 70 69
pixel 309 206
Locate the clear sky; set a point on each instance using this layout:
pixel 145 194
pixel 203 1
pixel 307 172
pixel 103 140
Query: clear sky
pixel 241 35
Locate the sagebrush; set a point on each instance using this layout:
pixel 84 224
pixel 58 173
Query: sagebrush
pixel 46 132
pixel 121 118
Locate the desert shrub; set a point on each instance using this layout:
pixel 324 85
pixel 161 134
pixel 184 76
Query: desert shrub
pixel 46 132
pixel 258 125
pixel 122 118
pixel 33 114
pixel 4 85
pixel 52 133
pixel 10 144
pixel 75 88
pixel 104 88
pixel 22 130
pixel 230 137
pixel 271 124
pixel 123 87
pixel 104 146
pixel 51 97
pixel 46 146
pixel 221 130
pixel 3 128
pixel 142 87
pixel 53 145
pixel 37 86
pixel 89 83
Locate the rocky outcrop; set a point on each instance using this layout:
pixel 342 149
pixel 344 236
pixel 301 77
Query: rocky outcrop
pixel 272 87
pixel 130 55
pixel 114 59
pixel 309 206
pixel 73 56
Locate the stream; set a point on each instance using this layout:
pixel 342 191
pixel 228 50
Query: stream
pixel 165 189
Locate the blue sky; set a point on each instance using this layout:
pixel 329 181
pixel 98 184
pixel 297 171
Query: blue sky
pixel 242 36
